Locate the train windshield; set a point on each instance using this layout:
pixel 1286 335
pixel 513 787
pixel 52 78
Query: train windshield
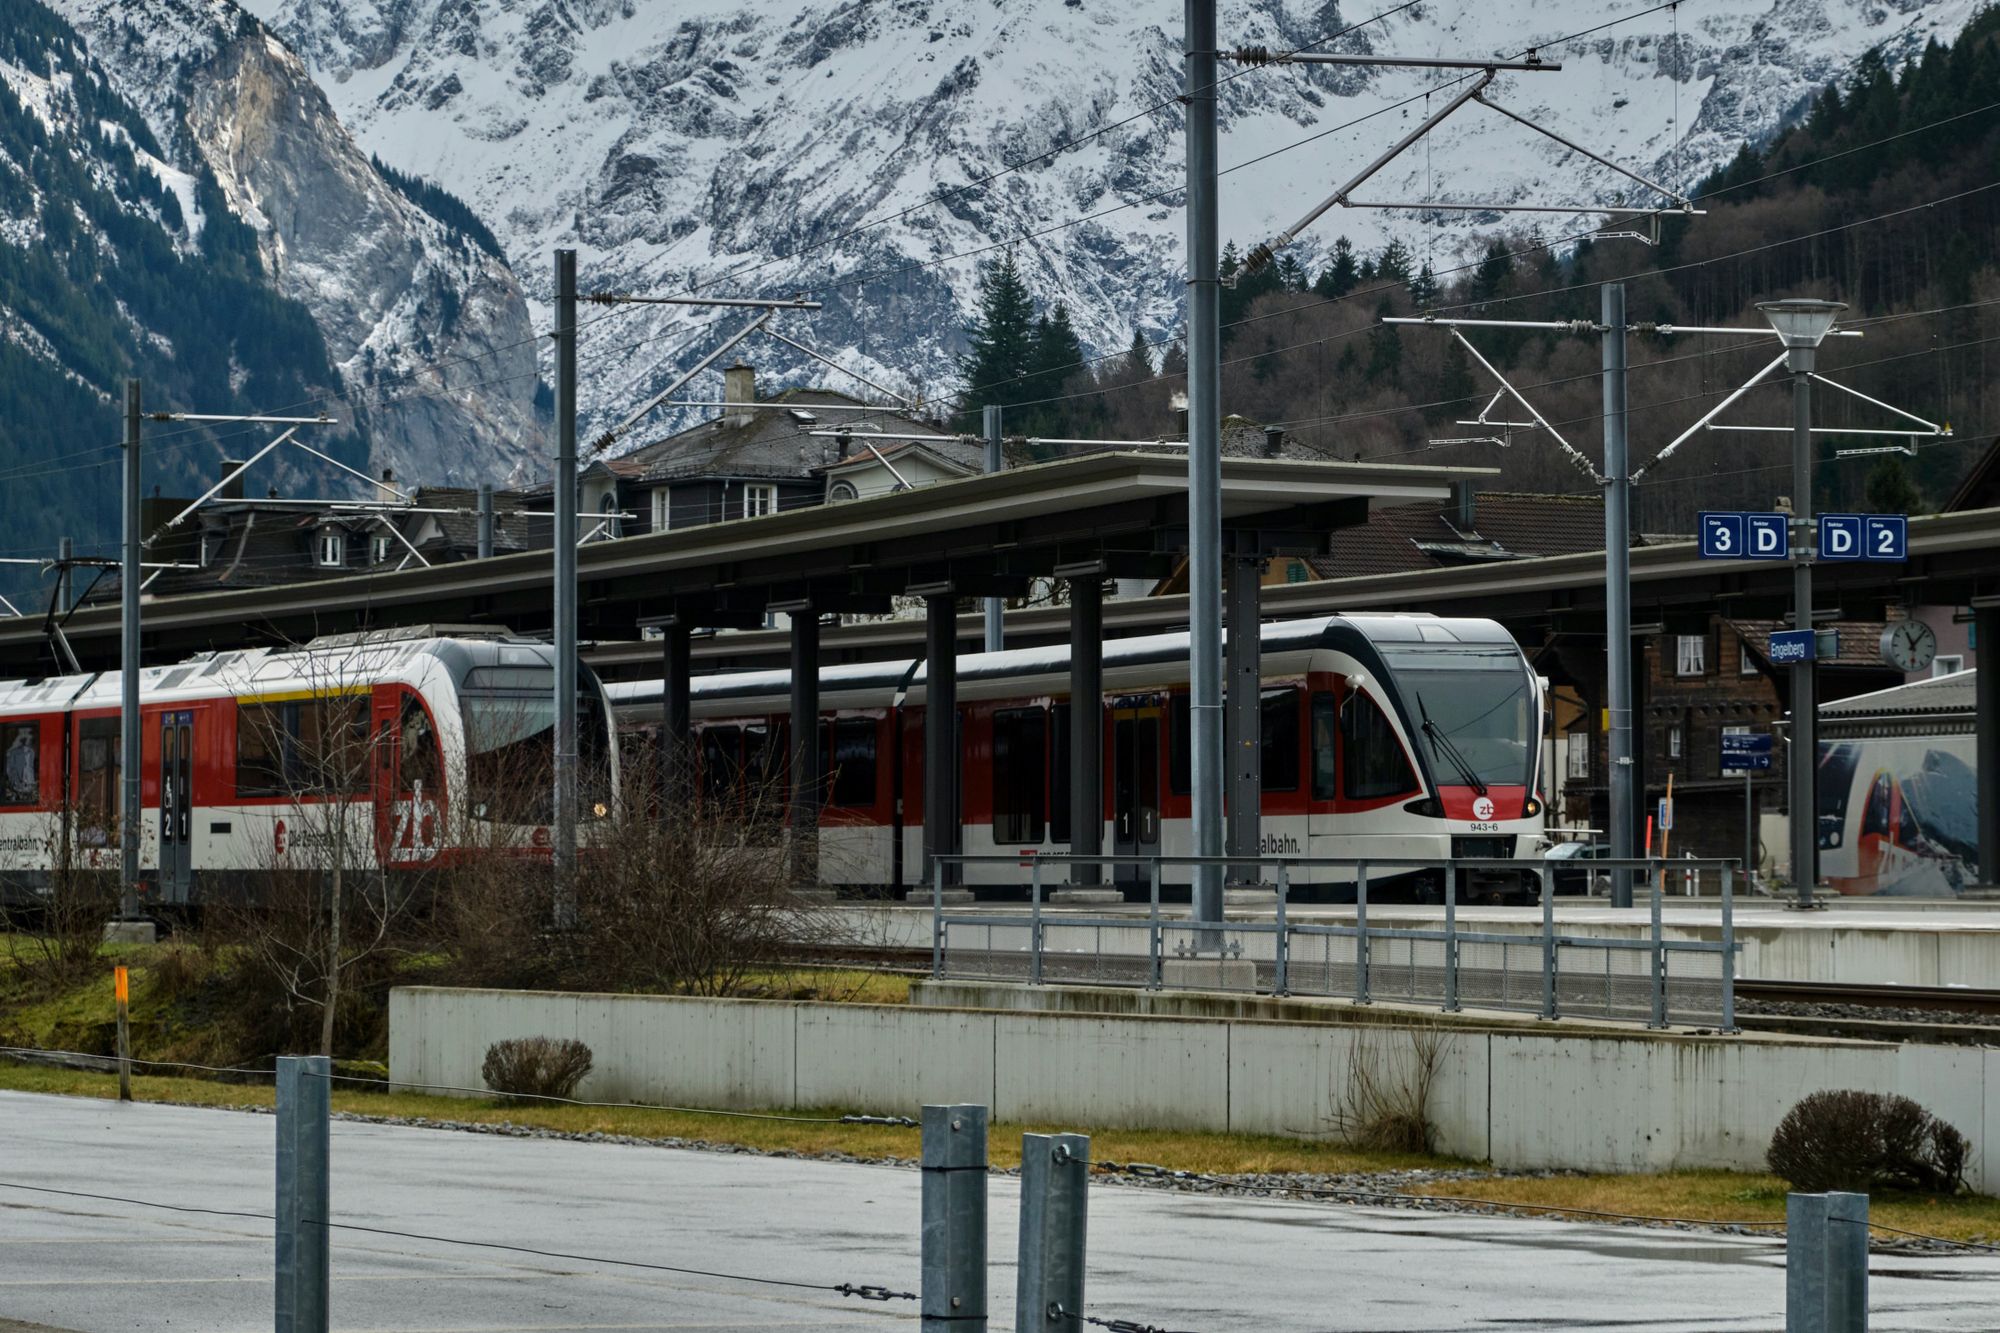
pixel 510 726
pixel 1474 712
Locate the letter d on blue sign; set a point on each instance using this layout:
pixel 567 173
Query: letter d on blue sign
pixel 1767 536
pixel 1840 537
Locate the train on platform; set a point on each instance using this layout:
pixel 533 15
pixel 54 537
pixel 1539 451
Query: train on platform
pixel 1384 736
pixel 397 748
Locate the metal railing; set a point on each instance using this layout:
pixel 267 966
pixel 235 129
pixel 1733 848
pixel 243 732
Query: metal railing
pixel 1651 978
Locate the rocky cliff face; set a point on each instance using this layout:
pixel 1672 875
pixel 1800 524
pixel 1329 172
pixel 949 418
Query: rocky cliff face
pixel 414 314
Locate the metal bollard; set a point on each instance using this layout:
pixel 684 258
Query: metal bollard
pixel 1826 1263
pixel 1729 948
pixel 1055 1192
pixel 937 920
pixel 302 1269
pixel 1153 940
pixel 954 1219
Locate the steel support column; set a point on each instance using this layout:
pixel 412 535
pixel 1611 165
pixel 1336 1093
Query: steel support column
pixel 1986 721
pixel 1802 766
pixel 1243 720
pixel 129 578
pixel 1086 723
pixel 1622 779
pixel 941 830
pixel 995 607
pixel 805 758
pixel 65 552
pixel 1204 461
pixel 565 587
pixel 485 520
pixel 676 720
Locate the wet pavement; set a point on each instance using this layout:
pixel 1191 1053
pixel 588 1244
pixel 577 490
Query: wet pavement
pixel 1176 1261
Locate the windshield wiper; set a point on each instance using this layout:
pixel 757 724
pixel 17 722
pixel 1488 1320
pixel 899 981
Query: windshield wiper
pixel 1441 744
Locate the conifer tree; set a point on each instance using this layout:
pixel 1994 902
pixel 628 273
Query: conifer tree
pixel 1000 340
pixel 1139 357
pixel 1337 279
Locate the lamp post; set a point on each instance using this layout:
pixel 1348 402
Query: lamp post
pixel 1801 326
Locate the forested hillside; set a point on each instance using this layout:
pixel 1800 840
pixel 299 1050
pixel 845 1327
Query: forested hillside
pixel 1884 195
pixel 113 263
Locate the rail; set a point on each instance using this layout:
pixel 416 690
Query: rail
pixel 1550 974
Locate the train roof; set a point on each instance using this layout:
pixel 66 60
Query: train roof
pixel 889 678
pixel 325 663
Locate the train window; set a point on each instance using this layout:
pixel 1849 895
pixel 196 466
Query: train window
pixel 851 778
pixel 1059 765
pixel 20 763
pixel 721 762
pixel 1372 763
pixel 262 736
pixel 97 793
pixel 767 767
pixel 1180 745
pixel 419 761
pixel 333 744
pixel 1020 773
pixel 1325 758
pixel 1279 739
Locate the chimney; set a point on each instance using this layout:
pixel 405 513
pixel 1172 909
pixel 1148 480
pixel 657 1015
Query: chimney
pixel 385 493
pixel 1463 505
pixel 232 490
pixel 1274 441
pixel 739 386
pixel 1178 405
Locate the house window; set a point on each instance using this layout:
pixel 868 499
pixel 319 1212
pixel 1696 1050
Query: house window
pixel 1580 743
pixel 1947 666
pixel 608 507
pixel 841 490
pixel 1746 665
pixel 1692 656
pixel 1674 741
pixel 332 548
pixel 380 549
pixel 759 499
pixel 211 542
pixel 663 508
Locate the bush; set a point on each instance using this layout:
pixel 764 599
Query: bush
pixel 1866 1141
pixel 539 1066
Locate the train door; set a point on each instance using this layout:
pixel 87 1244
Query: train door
pixel 1135 787
pixel 408 780
pixel 176 815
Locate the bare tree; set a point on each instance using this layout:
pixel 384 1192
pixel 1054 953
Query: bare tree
pixel 323 902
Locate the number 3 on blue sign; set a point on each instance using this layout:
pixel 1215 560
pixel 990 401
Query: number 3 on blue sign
pixel 1721 536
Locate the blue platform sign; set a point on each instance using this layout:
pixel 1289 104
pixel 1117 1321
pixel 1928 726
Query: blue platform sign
pixel 1745 751
pixel 1767 536
pixel 1792 645
pixel 1722 536
pixel 1886 537
pixel 1840 537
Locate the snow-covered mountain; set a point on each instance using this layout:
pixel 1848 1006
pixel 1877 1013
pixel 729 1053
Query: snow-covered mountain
pixel 410 307
pixel 768 146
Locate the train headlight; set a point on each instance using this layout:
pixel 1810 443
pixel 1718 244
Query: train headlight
pixel 1427 807
pixel 600 809
pixel 1531 808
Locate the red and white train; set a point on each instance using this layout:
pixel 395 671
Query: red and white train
pixel 1383 736
pixel 362 741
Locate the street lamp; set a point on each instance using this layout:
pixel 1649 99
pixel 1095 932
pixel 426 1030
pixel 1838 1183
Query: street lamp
pixel 1801 325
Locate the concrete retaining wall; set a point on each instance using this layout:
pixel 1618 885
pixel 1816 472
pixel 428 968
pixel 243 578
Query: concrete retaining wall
pixel 1533 1097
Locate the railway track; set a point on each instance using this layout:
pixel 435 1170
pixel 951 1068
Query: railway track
pixel 1952 999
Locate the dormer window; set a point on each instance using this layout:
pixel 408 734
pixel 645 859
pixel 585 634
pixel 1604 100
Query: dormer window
pixel 379 549
pixel 331 552
pixel 841 490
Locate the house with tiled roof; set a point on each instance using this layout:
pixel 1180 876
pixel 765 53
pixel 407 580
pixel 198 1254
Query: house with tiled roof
pixel 795 448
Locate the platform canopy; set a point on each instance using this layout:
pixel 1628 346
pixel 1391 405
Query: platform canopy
pixel 1123 513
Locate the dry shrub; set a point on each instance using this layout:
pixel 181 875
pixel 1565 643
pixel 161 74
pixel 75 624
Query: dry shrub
pixel 677 890
pixel 1864 1142
pixel 1386 1102
pixel 536 1066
